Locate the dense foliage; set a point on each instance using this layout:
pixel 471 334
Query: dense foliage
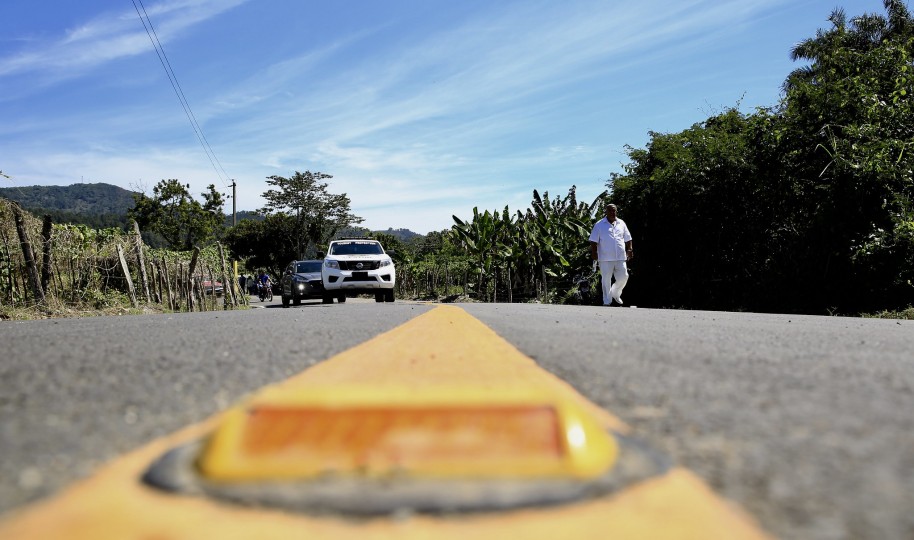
pixel 268 243
pixel 529 254
pixel 85 270
pixel 805 206
pixel 80 199
pixel 180 219
pixel 298 221
pixel 317 214
pixel 98 206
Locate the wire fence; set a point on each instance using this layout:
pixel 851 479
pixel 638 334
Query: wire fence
pixel 48 268
pixel 54 267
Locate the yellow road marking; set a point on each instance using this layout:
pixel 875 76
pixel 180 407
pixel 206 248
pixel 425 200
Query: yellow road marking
pixel 425 433
pixel 442 347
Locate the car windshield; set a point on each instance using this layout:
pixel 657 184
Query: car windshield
pixel 356 248
pixel 308 267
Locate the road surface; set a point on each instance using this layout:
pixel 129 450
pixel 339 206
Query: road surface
pixel 805 422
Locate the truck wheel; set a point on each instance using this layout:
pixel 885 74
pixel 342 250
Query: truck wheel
pixel 341 298
pixel 389 295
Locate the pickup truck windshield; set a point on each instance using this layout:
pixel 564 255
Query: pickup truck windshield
pixel 356 248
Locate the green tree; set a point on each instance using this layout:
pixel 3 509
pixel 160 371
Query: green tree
pixel 805 206
pixel 268 243
pixel 483 239
pixel 525 254
pixel 700 214
pixel 317 213
pixel 555 232
pixel 849 115
pixel 175 215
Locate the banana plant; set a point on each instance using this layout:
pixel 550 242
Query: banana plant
pixel 536 246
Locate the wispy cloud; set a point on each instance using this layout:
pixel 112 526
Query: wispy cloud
pixel 483 69
pixel 475 109
pixel 427 123
pixel 108 37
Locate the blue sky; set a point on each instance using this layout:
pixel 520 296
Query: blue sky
pixel 419 109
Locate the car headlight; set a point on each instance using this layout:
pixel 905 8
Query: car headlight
pixel 386 263
pixel 332 264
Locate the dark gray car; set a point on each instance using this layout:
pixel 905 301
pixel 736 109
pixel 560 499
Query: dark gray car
pixel 301 279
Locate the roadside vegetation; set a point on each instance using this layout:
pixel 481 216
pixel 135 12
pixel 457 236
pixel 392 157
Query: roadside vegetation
pixel 806 206
pixel 55 270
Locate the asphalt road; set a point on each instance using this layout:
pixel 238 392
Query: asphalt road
pixel 806 422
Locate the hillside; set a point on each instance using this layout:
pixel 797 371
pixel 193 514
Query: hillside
pixel 404 235
pixel 104 205
pixel 241 215
pixel 90 199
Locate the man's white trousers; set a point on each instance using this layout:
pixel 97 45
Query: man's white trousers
pixel 610 270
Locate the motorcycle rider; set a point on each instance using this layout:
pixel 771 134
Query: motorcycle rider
pixel 264 281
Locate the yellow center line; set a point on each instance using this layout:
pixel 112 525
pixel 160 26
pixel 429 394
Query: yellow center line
pixel 443 348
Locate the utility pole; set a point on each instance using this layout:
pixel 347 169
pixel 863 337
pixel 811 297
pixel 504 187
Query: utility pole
pixel 234 205
pixel 234 222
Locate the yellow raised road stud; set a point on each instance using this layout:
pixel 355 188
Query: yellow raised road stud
pixel 445 432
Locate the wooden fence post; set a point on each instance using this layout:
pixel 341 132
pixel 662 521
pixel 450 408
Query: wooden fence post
pixel 212 286
pixel 190 277
pixel 180 289
pixel 164 293
pixel 123 261
pixel 10 289
pixel 154 283
pixel 201 296
pixel 228 286
pixel 164 277
pixel 141 262
pixel 46 254
pixel 28 254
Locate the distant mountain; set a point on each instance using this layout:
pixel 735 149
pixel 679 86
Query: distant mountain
pixel 96 205
pixel 355 231
pixel 76 199
pixel 242 214
pixel 104 205
pixel 402 234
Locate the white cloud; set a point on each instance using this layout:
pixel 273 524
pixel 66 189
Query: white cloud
pixel 110 36
pixel 515 97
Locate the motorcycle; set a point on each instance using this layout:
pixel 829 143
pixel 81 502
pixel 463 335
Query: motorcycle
pixel 265 291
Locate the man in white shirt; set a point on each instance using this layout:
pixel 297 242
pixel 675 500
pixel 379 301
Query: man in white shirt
pixel 611 245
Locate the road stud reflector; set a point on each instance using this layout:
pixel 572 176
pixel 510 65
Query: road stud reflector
pixel 369 451
pixel 399 432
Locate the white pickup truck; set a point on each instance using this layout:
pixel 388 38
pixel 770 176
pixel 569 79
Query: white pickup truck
pixel 358 266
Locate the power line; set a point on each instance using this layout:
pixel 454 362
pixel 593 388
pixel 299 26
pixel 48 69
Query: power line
pixel 14 185
pixel 173 79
